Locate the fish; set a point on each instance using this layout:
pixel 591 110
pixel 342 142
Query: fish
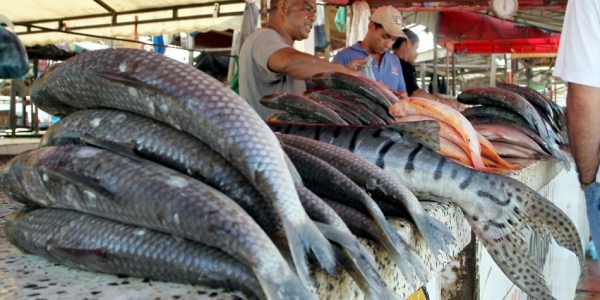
pixel 496 206
pixel 507 99
pixel 494 112
pixel 357 84
pixel 290 118
pixel 184 97
pixel 528 94
pixel 87 242
pixel 365 116
pixel 369 176
pixel 512 126
pixel 327 181
pixel 135 191
pixel 516 151
pixel 499 133
pixel 337 107
pixel 373 107
pixel 425 107
pixel 303 107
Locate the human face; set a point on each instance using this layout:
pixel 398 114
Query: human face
pixel 411 51
pixel 378 41
pixel 300 17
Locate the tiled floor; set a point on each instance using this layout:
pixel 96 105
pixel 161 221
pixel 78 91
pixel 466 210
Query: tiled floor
pixel 589 286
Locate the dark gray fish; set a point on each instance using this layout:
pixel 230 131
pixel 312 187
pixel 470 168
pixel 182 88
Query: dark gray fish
pixel 343 106
pixel 357 98
pixel 483 112
pixel 530 95
pixel 303 107
pixel 83 241
pixel 135 191
pixel 497 207
pixel 327 181
pixel 510 100
pixel 360 85
pixel 375 180
pixel 180 95
pixel 290 118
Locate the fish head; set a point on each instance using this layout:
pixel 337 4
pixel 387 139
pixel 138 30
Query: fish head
pixel 10 224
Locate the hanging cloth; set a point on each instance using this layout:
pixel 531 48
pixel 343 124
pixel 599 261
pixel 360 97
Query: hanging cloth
pixel 340 18
pixel 361 13
pixel 249 21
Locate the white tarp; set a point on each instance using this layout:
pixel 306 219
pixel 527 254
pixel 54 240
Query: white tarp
pixel 160 19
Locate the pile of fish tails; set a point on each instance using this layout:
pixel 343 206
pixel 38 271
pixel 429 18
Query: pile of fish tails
pixel 339 98
pixel 501 211
pixel 458 140
pixel 522 124
pixel 159 171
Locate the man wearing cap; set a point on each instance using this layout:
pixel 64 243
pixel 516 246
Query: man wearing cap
pixel 270 64
pixel 385 27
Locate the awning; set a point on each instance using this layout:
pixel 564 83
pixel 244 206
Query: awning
pixel 45 22
pixel 473 33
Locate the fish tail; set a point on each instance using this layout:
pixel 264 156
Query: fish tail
pixel 560 156
pixel 358 262
pixel 308 238
pixel 435 234
pixel 397 248
pixel 284 288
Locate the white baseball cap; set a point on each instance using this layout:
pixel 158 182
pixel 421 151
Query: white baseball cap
pixel 390 18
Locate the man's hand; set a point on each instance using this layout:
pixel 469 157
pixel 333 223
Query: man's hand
pixel 358 64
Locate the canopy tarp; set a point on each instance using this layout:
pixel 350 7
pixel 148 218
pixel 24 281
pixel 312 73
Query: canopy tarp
pixel 473 33
pixel 46 22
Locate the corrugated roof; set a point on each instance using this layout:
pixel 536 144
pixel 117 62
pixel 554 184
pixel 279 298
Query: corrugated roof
pixel 45 22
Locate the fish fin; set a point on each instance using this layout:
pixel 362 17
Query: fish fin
pixel 436 234
pixel 285 288
pixel 125 149
pixel 84 183
pixel 366 277
pixel 511 256
pixel 301 240
pixel 427 132
pixel 127 81
pixel 96 254
pixel 560 156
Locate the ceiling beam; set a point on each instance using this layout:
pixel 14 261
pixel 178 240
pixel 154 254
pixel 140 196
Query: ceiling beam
pixel 105 6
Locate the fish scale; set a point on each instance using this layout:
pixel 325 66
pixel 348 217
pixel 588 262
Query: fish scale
pixel 496 206
pixel 87 242
pixel 136 191
pixel 180 95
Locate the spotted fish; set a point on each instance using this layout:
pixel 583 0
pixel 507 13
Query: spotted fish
pixel 180 95
pixel 497 207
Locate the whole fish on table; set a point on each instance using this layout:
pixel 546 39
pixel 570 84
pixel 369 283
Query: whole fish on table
pixel 303 107
pixel 512 126
pixel 364 115
pixel 509 100
pixel 496 206
pixel 357 84
pixel 142 193
pixel 498 133
pixel 369 176
pixel 290 118
pixel 83 241
pixel 357 98
pixel 180 95
pixel 135 135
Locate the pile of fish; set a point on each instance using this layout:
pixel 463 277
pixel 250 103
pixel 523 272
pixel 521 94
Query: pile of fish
pixel 157 170
pixel 521 123
pixel 340 99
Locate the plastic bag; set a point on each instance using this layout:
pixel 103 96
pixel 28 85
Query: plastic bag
pixel 14 63
pixel 367 69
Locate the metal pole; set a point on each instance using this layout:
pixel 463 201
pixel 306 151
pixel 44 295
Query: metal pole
pixel 447 71
pixel 493 71
pixel 453 74
pixel 235 50
pixel 434 78
pixel 12 114
pixel 190 44
pixel 423 71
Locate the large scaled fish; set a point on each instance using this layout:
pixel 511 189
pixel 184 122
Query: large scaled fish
pixel 497 207
pixel 180 95
pixel 83 241
pixel 142 193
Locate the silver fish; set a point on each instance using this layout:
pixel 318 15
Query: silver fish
pixel 180 95
pixel 369 176
pixel 497 207
pixel 142 193
pixel 83 241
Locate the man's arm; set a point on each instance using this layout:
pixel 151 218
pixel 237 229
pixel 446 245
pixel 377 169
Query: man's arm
pixel 300 65
pixel 583 125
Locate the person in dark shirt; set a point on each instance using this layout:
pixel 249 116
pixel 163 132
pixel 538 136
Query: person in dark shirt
pixel 406 50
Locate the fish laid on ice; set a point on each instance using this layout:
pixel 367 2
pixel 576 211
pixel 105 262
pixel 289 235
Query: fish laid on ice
pixel 83 241
pixel 496 206
pixel 145 194
pixel 180 95
pixel 509 100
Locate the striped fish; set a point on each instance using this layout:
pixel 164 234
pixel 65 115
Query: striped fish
pixel 497 207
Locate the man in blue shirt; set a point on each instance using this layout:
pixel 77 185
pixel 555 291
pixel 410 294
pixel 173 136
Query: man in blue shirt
pixel 384 28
